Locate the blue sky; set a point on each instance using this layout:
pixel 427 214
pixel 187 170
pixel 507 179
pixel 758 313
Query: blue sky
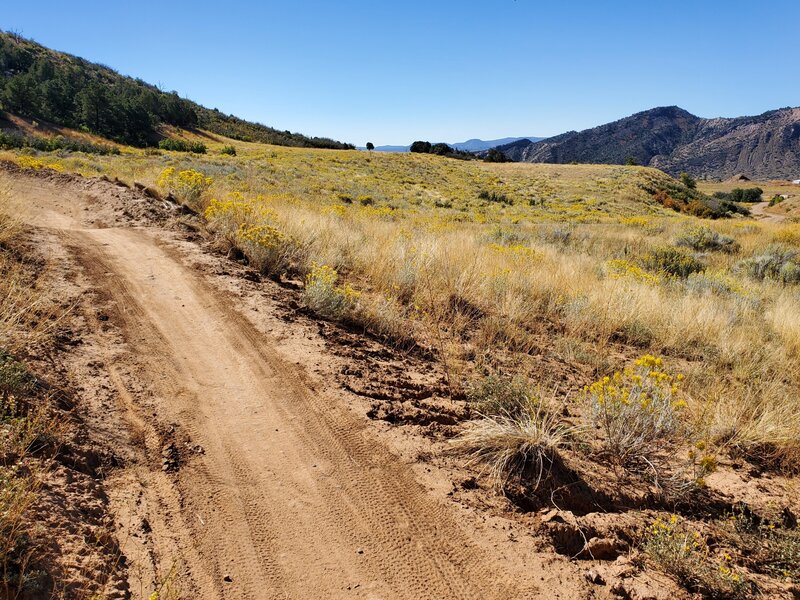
pixel 392 72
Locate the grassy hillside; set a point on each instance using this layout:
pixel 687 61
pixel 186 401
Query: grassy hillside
pixel 69 91
pixel 412 185
pixel 586 322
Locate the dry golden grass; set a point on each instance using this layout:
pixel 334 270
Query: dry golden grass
pixel 25 427
pixel 427 259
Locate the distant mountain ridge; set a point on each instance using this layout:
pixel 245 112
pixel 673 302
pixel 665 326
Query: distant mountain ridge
pixel 473 145
pixel 672 139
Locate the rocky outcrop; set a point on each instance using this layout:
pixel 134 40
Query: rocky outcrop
pixel 674 140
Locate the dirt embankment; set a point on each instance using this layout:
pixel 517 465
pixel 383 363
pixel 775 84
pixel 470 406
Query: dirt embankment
pixel 240 466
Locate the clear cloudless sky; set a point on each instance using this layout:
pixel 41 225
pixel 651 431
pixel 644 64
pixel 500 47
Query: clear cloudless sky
pixel 442 70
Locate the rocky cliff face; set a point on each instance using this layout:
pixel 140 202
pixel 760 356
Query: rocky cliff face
pixel 674 140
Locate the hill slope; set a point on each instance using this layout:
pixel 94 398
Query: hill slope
pixel 69 91
pixel 669 138
pixel 472 145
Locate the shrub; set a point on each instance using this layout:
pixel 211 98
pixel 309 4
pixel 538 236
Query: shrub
pixel 776 199
pixel 671 262
pixel 441 149
pixel 773 546
pixel 345 198
pixel 228 150
pixel 421 147
pixel 618 268
pixel 667 201
pixel 364 200
pixel 698 209
pixel 507 237
pixel 266 247
pixel 557 234
pixel 494 196
pixel 703 239
pixel 187 185
pixel 776 262
pixel 50 144
pixel 741 195
pixel 14 377
pixel 688 181
pixel 493 155
pixel 326 298
pixel 255 230
pixel 720 283
pixel 182 146
pixel 637 411
pixel 493 395
pixel 684 554
pixel 515 445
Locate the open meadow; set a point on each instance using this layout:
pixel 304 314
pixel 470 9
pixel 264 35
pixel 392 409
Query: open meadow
pixel 594 334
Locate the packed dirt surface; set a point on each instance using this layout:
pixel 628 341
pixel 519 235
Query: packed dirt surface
pixel 759 211
pixel 241 466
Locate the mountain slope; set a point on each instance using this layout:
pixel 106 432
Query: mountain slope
pixel 69 91
pixel 476 145
pixel 669 138
pixel 473 145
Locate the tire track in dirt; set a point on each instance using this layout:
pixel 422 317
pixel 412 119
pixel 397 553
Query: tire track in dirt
pixel 293 496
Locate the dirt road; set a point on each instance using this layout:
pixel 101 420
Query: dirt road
pixel 280 491
pixel 759 211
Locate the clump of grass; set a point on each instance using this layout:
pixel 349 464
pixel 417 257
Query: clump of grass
pixel 17 494
pixel 704 239
pixel 228 150
pixel 777 262
pixel 683 553
pixel 325 297
pixel 671 262
pixel 522 446
pixel 763 428
pixel 9 226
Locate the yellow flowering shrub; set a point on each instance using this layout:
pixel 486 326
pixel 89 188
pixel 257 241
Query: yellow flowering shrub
pixel 187 185
pixel 773 545
pixel 683 553
pixel 788 234
pixel 30 162
pixel 635 221
pixel 619 268
pixel 326 298
pixel 515 251
pixel 637 410
pixel 255 229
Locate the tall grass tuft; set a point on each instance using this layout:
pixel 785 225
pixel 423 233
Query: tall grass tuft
pixel 520 445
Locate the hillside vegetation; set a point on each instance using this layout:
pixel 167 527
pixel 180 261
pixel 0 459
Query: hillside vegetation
pixel 613 351
pixel 69 91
